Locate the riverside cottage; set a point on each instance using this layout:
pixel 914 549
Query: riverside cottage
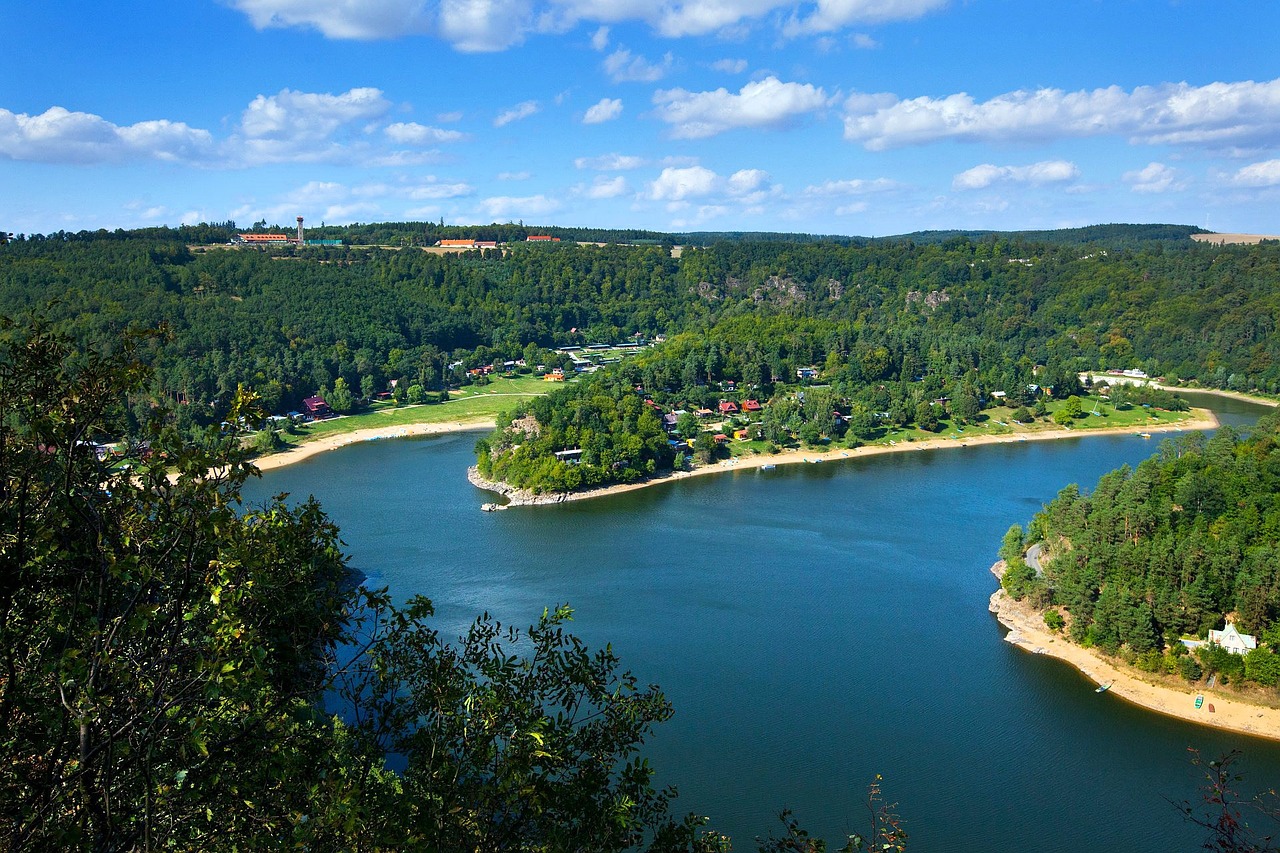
pixel 1233 641
pixel 316 408
pixel 1228 638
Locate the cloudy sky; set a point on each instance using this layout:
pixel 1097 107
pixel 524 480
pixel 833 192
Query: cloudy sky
pixel 866 117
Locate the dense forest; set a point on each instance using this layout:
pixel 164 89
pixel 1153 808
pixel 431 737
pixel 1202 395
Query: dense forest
pixel 905 334
pixel 1179 545
pixel 957 316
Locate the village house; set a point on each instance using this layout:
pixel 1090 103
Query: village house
pixel 751 406
pixel 1233 641
pixel 316 408
pixel 1229 638
pixel 728 407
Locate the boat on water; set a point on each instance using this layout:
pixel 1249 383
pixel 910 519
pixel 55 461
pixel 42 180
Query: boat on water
pixel 767 467
pixel 1103 688
pixel 1144 435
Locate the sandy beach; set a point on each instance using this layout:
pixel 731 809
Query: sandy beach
pixel 1202 420
pixel 321 445
pixel 1027 631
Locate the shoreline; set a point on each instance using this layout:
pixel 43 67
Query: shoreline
pixel 307 449
pixel 1202 420
pixel 1242 396
pixel 1027 631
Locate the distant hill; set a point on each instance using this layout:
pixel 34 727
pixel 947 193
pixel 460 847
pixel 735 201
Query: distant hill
pixel 1116 235
pixel 428 233
pixel 706 238
pixel 1112 234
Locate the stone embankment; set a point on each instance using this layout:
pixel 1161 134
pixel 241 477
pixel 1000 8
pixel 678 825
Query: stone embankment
pixel 514 496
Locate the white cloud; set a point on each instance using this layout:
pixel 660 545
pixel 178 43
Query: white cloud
pixel 513 176
pixel 60 136
pixel 449 118
pixel 679 185
pixel 1153 178
pixel 349 212
pixel 487 25
pixel 1218 114
pixel 520 111
pixel 317 193
pixel 862 41
pixel 341 19
pixel 623 67
pixel 306 116
pixel 412 133
pixel 1264 174
pixel 499 207
pixel 854 186
pixel 747 181
pixel 481 26
pixel 391 160
pixel 610 162
pixel 764 103
pixel 311 127
pixel 831 15
pixel 1037 174
pixel 702 214
pixel 433 189
pixel 607 110
pixel 730 66
pixel 604 187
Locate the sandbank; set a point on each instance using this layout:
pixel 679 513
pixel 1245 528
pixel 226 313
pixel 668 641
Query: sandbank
pixel 307 449
pixel 1027 631
pixel 1202 420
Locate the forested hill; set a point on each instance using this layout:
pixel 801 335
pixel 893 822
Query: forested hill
pixel 288 322
pixel 1182 544
pixel 894 334
pixel 401 234
pixel 1113 236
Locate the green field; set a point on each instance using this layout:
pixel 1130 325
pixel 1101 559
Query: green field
pixel 473 403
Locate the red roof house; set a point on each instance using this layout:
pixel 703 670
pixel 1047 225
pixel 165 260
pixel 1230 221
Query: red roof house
pixel 316 407
pixel 728 407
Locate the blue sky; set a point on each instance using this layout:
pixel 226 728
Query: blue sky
pixel 865 117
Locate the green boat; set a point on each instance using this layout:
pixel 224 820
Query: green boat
pixel 1199 702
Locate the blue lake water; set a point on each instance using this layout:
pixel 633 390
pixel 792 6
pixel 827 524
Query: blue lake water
pixel 814 626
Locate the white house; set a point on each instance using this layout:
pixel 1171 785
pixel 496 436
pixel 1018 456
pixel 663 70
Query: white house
pixel 1233 641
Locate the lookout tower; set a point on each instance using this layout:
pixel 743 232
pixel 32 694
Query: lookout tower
pixel 300 231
